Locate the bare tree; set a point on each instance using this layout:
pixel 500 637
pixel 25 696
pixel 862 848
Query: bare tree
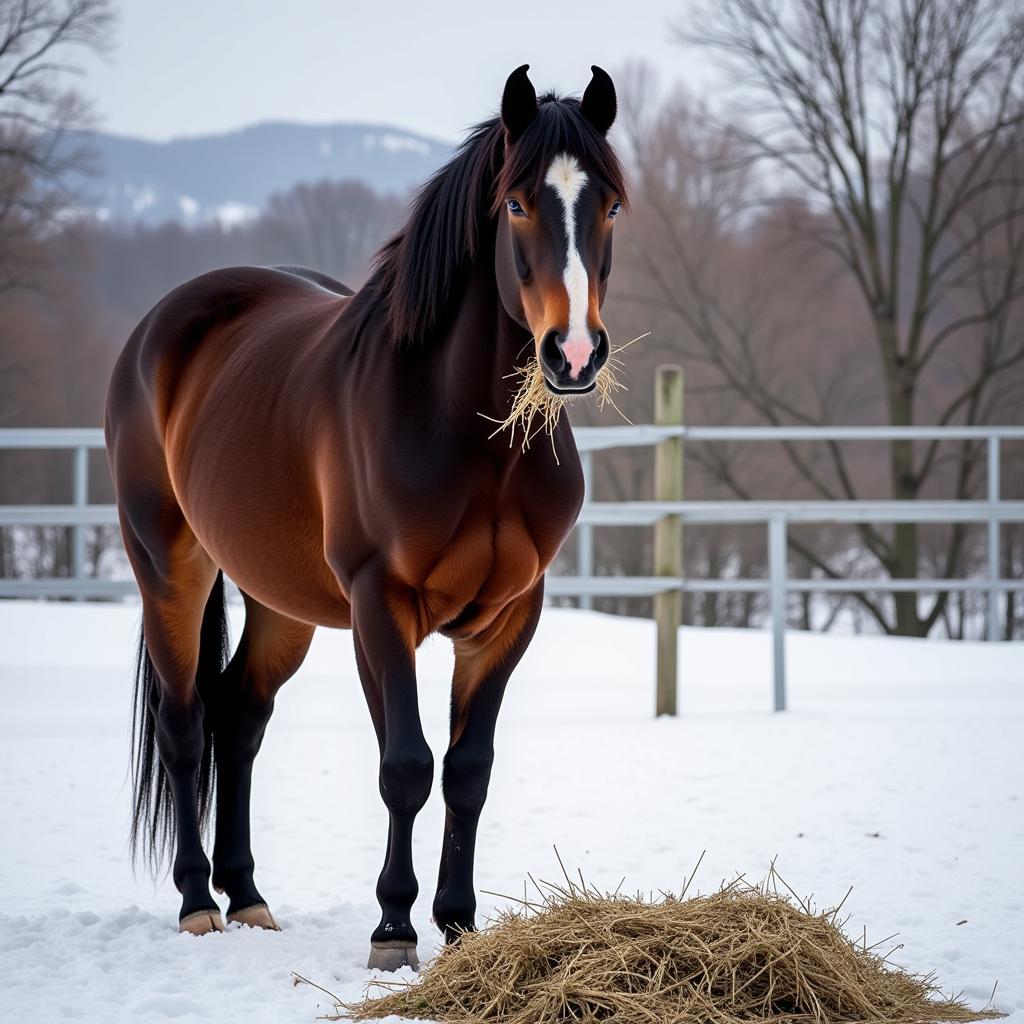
pixel 722 292
pixel 39 42
pixel 900 128
pixel 335 226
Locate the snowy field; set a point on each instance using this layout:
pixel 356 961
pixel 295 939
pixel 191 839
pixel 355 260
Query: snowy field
pixel 899 770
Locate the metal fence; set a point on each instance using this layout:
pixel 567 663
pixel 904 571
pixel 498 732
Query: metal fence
pixel 775 516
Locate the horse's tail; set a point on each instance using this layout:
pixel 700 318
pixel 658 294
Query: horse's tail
pixel 152 830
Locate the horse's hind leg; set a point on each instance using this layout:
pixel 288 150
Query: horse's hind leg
pixel 182 611
pixel 270 651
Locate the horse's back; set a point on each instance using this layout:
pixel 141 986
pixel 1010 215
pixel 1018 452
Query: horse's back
pixel 316 277
pixel 212 318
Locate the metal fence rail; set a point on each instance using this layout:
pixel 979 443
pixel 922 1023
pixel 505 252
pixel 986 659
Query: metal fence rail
pixel 774 515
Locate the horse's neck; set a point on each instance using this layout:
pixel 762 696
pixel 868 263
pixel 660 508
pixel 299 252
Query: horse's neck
pixel 480 352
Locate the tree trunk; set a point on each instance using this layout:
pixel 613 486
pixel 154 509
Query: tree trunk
pixel 906 545
pixel 714 571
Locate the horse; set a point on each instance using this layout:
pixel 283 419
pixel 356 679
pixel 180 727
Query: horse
pixel 329 451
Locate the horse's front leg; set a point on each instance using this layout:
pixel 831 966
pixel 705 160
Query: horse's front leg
pixel 482 668
pixel 385 647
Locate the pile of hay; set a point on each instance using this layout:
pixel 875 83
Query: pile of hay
pixel 744 953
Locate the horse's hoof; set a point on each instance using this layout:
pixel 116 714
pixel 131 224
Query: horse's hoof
pixel 390 956
pixel 256 916
pixel 202 922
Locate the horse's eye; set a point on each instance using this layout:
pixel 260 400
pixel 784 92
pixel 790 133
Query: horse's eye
pixel 515 207
pixel 613 212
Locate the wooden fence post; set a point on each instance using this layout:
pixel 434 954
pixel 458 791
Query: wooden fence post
pixel 668 533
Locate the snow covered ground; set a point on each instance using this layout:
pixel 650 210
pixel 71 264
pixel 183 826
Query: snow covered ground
pixel 899 770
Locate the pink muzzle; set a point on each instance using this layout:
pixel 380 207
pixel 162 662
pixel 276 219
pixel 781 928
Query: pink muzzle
pixel 577 352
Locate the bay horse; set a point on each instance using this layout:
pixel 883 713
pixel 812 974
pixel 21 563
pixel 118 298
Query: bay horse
pixel 326 450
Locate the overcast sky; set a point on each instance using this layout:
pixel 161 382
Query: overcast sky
pixel 195 66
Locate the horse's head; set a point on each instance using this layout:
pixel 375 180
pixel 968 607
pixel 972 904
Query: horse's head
pixel 558 193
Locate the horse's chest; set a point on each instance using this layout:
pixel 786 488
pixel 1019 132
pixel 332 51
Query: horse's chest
pixel 465 570
pixel 489 560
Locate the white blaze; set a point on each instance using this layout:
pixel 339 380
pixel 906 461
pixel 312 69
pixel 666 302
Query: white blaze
pixel 567 178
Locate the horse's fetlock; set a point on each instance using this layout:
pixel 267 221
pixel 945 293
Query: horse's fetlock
pixel 233 872
pixel 454 909
pixel 395 889
pixel 190 869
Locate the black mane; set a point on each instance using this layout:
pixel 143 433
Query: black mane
pixel 418 273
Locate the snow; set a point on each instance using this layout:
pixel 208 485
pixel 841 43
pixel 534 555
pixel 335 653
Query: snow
pixel 143 199
pixel 898 770
pixel 189 207
pixel 393 142
pixel 232 215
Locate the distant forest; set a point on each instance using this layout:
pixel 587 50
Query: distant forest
pixel 64 333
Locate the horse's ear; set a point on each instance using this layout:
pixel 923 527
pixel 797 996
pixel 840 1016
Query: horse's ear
pixel 598 103
pixel 518 103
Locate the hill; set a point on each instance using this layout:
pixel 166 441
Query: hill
pixel 229 177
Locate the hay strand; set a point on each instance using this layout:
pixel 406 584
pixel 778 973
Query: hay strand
pixel 532 401
pixel 744 953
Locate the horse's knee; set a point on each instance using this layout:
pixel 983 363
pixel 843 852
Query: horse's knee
pixel 406 775
pixel 467 772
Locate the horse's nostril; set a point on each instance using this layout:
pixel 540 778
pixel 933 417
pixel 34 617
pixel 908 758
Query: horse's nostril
pixel 551 351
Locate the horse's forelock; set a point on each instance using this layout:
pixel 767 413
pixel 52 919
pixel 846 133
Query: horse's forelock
pixel 558 129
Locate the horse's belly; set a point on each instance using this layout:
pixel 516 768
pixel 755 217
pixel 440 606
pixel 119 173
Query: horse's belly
pixel 282 572
pixel 301 589
pixel 265 532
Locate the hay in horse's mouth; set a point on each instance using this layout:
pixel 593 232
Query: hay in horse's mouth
pixel 742 954
pixel 536 408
